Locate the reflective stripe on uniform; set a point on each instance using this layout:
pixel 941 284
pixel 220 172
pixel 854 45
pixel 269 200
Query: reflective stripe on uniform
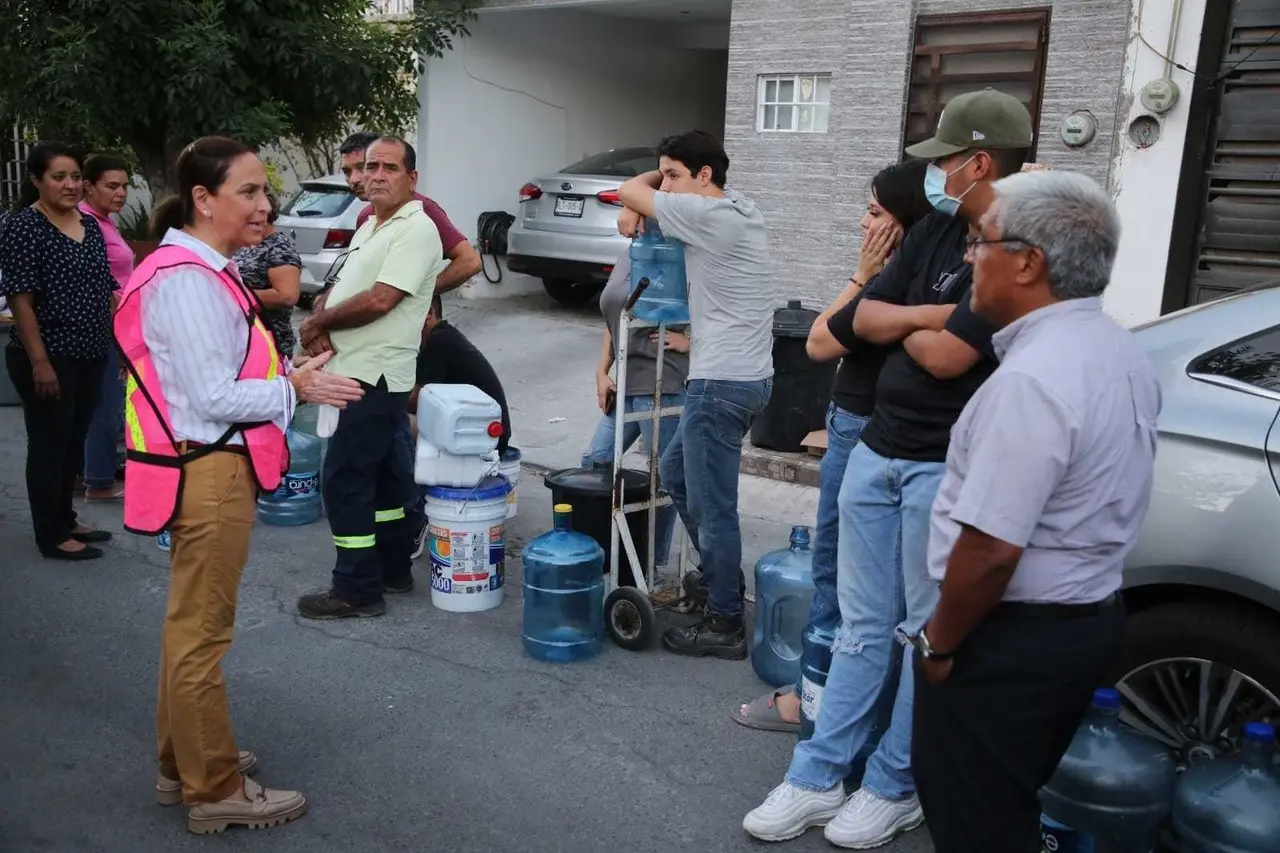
pixel 131 392
pixel 388 515
pixel 355 542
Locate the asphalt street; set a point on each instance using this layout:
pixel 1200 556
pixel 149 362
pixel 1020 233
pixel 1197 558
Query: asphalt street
pixel 422 730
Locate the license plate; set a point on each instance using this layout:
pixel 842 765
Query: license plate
pixel 569 205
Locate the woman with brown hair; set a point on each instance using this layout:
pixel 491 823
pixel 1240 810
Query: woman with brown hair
pixel 207 402
pixel 54 273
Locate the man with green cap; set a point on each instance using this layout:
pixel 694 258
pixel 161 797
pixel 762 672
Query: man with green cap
pixel 920 302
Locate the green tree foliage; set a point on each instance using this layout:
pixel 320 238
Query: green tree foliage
pixel 152 75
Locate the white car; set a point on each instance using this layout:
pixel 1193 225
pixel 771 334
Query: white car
pixel 321 220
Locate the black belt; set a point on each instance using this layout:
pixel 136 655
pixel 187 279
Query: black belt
pixel 186 446
pixel 1034 610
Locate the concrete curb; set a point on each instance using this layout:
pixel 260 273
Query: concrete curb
pixel 798 468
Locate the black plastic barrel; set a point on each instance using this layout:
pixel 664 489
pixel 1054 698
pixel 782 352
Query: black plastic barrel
pixel 590 491
pixel 801 386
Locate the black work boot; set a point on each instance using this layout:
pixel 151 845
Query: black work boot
pixel 714 636
pixel 326 605
pixel 696 588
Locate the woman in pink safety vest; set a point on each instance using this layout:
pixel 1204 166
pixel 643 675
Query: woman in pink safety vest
pixel 208 398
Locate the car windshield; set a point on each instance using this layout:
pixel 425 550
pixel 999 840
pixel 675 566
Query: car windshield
pixel 618 163
pixel 319 200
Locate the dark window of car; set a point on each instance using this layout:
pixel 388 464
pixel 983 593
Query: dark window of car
pixel 1254 360
pixel 319 200
pixel 618 163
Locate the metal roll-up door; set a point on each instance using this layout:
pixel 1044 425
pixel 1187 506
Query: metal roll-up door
pixel 1238 242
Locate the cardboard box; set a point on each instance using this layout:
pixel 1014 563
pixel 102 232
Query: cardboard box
pixel 816 442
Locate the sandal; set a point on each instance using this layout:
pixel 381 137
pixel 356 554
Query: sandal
pixel 762 714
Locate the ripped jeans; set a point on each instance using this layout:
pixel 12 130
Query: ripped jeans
pixel 883 583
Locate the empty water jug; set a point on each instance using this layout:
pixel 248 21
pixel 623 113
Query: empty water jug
pixel 563 593
pixel 1111 790
pixel 297 500
pixel 1232 805
pixel 784 593
pixel 661 260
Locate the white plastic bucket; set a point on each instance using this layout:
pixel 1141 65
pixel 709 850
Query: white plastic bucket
pixel 466 544
pixel 509 467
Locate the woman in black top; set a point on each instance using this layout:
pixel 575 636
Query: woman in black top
pixel 897 202
pixel 273 270
pixel 54 273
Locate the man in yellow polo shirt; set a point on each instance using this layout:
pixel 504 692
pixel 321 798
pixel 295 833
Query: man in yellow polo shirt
pixel 372 320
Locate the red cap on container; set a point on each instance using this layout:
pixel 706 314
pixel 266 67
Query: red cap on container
pixel 495 429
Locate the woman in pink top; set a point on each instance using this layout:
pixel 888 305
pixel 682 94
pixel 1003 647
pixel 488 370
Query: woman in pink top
pixel 106 188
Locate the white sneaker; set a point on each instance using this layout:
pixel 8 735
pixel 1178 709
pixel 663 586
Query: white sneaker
pixel 868 820
pixel 790 810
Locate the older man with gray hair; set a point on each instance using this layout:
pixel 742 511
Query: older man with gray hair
pixel 1047 481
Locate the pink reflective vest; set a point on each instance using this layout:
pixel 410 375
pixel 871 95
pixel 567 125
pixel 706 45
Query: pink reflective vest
pixel 153 461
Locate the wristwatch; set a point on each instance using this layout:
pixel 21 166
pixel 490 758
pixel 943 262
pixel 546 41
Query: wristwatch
pixel 921 642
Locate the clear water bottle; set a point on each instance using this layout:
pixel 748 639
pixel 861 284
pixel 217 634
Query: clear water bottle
pixel 563 593
pixel 784 595
pixel 1232 805
pixel 653 256
pixel 1111 790
pixel 297 500
pixel 306 419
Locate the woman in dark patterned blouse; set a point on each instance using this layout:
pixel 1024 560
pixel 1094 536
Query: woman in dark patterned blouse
pixel 54 272
pixel 274 272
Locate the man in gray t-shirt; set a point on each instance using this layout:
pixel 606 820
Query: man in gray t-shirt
pixel 730 365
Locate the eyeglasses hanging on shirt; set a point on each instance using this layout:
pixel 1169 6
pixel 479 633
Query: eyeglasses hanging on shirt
pixel 335 268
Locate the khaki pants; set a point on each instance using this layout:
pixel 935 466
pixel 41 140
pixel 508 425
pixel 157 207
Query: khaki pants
pixel 210 537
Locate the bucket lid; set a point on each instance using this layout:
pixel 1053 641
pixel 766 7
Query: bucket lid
pixel 793 321
pixel 1264 732
pixel 598 481
pixel 511 454
pixel 490 488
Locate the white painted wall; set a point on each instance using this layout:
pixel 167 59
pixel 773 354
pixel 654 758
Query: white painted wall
pixel 1144 181
pixel 532 91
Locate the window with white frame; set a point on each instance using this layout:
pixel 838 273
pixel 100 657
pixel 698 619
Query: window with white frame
pixel 793 103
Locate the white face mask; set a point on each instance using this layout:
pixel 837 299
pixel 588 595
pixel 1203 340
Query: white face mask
pixel 935 188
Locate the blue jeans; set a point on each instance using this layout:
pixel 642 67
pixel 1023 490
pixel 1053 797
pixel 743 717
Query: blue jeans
pixel 100 459
pixel 883 584
pixel 843 430
pixel 700 471
pixel 600 450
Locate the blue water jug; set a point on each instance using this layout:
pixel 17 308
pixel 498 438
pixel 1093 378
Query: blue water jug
pixel 305 419
pixel 563 593
pixel 1111 790
pixel 1232 805
pixel 815 663
pixel 297 500
pixel 784 593
pixel 653 256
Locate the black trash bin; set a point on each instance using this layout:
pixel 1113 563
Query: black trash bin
pixel 801 386
pixel 590 491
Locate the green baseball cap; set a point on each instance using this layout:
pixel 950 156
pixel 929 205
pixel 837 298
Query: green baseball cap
pixel 986 119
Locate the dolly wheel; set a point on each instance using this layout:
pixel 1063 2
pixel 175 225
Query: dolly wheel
pixel 630 619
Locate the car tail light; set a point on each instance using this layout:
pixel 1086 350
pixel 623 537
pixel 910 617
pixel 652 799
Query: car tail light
pixel 530 192
pixel 610 197
pixel 338 238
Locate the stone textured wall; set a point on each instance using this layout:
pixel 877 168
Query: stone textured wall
pixel 813 187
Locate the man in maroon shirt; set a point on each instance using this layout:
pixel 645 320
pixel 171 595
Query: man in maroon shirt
pixel 464 260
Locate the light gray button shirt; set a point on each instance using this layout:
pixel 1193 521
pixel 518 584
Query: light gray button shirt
pixel 1055 454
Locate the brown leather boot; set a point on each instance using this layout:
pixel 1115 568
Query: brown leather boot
pixel 266 807
pixel 169 791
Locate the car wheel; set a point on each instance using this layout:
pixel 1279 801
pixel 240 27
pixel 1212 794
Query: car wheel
pixel 1194 673
pixel 568 292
